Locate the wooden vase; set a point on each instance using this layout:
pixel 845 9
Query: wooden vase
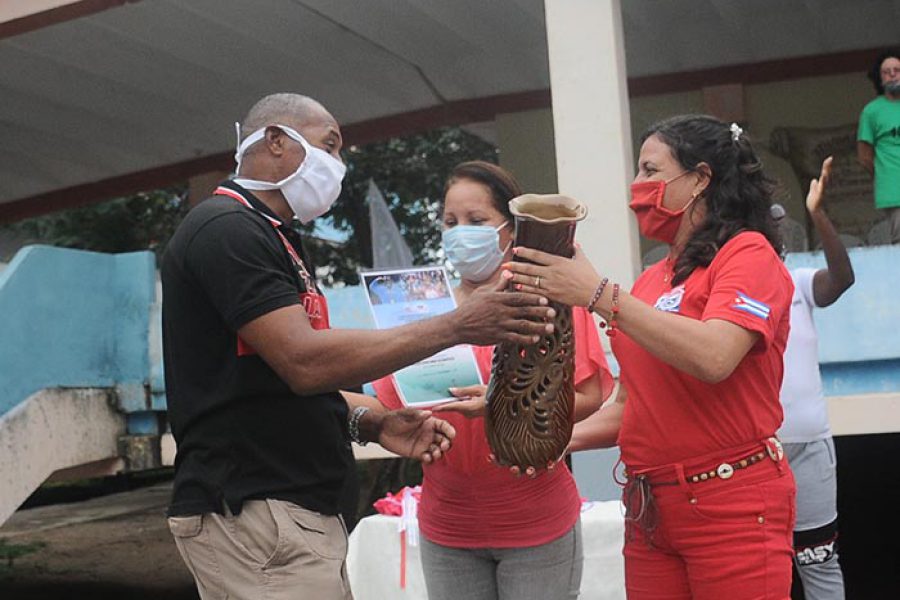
pixel 531 394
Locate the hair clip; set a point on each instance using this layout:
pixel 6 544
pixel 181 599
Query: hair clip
pixel 736 132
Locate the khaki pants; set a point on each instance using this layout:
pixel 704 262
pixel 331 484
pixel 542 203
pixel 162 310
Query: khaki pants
pixel 273 550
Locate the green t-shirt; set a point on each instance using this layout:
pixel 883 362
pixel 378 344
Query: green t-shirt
pixel 879 126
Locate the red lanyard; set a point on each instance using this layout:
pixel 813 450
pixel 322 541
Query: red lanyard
pixel 295 258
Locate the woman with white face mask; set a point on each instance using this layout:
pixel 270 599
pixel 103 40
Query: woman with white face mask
pixel 487 533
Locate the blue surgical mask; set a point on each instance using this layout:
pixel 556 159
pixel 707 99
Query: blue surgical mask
pixel 473 250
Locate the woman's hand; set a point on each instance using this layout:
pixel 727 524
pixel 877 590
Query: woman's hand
pixel 571 281
pixel 532 472
pixel 471 403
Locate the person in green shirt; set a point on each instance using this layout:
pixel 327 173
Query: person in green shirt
pixel 878 139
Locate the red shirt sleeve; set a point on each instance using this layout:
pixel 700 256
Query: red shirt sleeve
pixel 386 393
pixel 749 286
pixel 589 355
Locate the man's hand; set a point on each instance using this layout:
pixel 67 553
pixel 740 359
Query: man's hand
pixel 817 188
pixel 471 403
pixel 416 434
pixel 492 315
pixel 569 281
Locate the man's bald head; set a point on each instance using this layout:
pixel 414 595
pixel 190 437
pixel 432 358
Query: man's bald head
pixel 276 156
pixel 293 110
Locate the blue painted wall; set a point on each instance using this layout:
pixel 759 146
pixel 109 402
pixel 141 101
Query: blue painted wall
pixel 70 318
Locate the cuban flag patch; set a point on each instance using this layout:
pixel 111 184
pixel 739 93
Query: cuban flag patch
pixel 749 305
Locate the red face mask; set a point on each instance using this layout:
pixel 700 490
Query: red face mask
pixel 655 221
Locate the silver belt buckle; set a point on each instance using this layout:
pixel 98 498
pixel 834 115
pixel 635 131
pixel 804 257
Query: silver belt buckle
pixel 725 471
pixel 775 449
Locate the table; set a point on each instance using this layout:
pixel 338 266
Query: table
pixel 373 558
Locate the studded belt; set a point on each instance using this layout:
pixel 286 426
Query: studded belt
pixel 772 448
pixel 726 470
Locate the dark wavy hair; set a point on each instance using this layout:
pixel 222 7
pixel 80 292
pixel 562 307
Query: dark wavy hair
pixel 501 183
pixel 738 197
pixel 874 73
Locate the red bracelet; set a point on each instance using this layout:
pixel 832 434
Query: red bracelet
pixel 614 312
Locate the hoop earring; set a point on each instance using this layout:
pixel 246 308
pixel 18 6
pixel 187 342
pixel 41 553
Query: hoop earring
pixel 693 205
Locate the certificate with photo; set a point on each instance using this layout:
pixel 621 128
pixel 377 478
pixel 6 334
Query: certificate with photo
pixel 402 296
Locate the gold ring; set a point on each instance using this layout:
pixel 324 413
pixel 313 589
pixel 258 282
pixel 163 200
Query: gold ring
pixel 537 281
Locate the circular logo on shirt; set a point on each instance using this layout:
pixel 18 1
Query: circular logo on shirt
pixel 670 301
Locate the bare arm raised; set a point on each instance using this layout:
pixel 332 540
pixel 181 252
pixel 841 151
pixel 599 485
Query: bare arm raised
pixel 831 282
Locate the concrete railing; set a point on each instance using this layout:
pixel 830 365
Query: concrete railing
pixel 52 430
pixel 75 363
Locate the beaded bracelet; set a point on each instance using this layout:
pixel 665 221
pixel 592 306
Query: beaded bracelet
pixel 597 294
pixel 353 424
pixel 614 312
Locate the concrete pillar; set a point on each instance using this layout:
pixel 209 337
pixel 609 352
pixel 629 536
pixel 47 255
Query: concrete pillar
pixel 592 127
pixel 594 159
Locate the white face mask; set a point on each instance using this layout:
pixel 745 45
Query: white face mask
pixel 474 250
pixel 311 190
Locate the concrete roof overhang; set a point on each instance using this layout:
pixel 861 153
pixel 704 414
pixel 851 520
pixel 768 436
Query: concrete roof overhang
pixel 105 97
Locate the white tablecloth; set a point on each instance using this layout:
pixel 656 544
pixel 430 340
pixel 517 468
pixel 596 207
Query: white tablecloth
pixel 373 560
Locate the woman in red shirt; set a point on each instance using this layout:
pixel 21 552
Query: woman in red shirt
pixel 709 499
pixel 489 535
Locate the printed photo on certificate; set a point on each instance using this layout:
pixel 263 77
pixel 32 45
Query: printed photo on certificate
pixel 402 296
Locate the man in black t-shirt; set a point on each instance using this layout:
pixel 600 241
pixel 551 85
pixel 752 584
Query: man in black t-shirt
pixel 253 373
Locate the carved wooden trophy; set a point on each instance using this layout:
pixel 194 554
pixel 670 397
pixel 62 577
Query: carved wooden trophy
pixel 531 395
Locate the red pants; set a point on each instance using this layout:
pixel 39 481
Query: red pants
pixel 718 539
